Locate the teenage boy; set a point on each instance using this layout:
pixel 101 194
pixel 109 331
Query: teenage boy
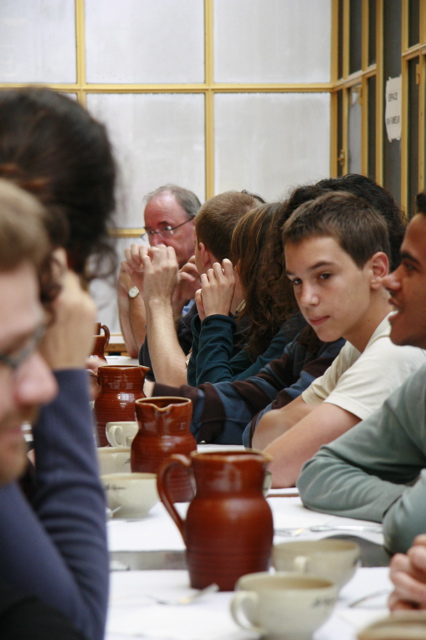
pixel 378 470
pixel 336 253
pixel 158 267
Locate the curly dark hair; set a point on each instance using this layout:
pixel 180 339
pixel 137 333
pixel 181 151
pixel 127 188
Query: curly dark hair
pixel 52 147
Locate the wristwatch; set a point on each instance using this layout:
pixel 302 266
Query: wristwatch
pixel 133 292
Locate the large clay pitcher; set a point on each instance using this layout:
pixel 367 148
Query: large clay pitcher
pixel 99 328
pixel 120 386
pixel 99 345
pixel 164 429
pixel 228 530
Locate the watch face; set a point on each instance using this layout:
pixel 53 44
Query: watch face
pixel 133 292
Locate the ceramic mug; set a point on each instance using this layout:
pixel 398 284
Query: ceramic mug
pixel 113 460
pixel 121 434
pixel 284 605
pixel 335 560
pixel 130 495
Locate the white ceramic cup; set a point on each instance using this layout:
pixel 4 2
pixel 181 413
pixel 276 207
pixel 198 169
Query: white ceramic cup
pixel 121 434
pixel 130 495
pixel 113 460
pixel 284 605
pixel 335 560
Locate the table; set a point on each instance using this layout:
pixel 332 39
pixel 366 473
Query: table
pixel 154 542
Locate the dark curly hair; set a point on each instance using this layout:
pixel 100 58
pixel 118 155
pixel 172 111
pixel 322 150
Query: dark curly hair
pixel 52 147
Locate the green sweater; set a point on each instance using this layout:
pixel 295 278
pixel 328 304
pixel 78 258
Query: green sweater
pixel 377 470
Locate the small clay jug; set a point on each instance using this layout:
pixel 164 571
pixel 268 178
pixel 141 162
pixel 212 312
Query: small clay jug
pixel 228 530
pixel 164 429
pixel 119 386
pixel 99 345
pixel 102 327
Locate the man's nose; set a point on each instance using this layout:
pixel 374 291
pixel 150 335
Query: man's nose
pixel 34 382
pixel 392 281
pixel 155 240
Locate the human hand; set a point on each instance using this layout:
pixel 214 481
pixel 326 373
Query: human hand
pixel 408 575
pixel 217 288
pixel 69 338
pixel 199 303
pixel 160 273
pixel 132 269
pixel 187 285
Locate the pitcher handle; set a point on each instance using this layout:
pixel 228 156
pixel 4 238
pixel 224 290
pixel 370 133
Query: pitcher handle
pixel 107 333
pixel 166 467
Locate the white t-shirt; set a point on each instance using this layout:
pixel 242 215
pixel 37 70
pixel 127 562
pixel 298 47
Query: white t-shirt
pixel 360 382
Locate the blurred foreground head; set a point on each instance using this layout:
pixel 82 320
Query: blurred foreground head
pixel 52 147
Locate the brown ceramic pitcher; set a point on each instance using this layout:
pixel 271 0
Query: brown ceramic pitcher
pixel 228 530
pixel 102 327
pixel 164 429
pixel 120 386
pixel 99 345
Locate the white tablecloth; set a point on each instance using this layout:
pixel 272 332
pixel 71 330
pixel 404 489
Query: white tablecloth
pixel 133 615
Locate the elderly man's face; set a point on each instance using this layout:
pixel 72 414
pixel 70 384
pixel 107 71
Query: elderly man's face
pixel 407 286
pixel 26 382
pixel 163 211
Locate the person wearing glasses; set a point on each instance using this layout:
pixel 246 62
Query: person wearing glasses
pixel 26 383
pixel 169 220
pixel 53 546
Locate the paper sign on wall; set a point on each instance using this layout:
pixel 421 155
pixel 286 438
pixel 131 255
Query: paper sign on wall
pixel 393 108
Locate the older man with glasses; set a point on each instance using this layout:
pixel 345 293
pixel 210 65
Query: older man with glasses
pixel 169 220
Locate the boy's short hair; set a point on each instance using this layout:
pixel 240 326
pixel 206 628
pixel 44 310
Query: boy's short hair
pixel 358 228
pixel 421 202
pixel 217 219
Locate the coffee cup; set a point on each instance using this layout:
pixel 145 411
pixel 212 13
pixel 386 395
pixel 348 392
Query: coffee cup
pixel 284 605
pixel 335 560
pixel 113 460
pixel 121 434
pixel 130 495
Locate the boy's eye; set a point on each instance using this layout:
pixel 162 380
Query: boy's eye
pixel 408 266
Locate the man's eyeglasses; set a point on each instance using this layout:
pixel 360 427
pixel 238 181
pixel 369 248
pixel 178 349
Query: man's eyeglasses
pixel 163 232
pixel 14 360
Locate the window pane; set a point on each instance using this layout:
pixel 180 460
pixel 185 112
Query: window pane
pixel 272 40
pixel 413 22
pixel 355 28
pixel 371 152
pixel 267 143
pixel 37 41
pixel 372 32
pixel 413 136
pixel 135 41
pixel 354 131
pixel 158 138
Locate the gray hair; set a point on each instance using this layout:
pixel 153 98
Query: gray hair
pixel 184 197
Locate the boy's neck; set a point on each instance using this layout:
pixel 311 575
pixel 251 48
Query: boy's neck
pixel 376 313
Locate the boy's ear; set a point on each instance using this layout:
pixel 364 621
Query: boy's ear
pixel 207 258
pixel 379 268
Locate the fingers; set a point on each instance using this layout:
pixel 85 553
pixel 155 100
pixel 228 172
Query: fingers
pixel 408 575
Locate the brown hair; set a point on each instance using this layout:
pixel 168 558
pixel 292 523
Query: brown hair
pixel 23 236
pixel 268 295
pixel 358 228
pixel 217 218
pixel 52 147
